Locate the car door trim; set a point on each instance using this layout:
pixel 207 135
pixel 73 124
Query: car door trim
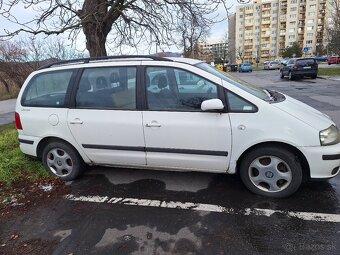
pixel 153 149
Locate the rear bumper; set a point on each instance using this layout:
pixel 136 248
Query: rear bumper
pixel 28 144
pixel 324 161
pixel 305 72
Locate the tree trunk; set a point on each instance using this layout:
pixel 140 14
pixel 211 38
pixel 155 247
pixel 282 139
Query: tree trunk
pixel 95 40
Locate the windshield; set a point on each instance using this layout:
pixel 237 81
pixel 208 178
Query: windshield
pixel 258 92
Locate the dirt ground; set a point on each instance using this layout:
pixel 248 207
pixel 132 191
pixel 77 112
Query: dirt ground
pixel 21 198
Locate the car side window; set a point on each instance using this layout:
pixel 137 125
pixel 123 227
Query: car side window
pixel 238 104
pixel 107 88
pixel 177 90
pixel 290 62
pixel 47 89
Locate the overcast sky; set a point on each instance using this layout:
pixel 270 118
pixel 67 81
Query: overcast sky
pixel 218 31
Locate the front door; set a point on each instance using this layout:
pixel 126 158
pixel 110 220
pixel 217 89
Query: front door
pixel 177 133
pixel 105 121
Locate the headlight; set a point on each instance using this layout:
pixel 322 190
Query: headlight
pixel 330 136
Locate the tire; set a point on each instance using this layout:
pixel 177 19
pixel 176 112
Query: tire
pixel 63 161
pixel 268 180
pixel 290 76
pixel 281 75
pixel 313 76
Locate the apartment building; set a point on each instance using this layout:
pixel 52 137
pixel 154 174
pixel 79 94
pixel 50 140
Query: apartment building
pixel 213 50
pixel 265 28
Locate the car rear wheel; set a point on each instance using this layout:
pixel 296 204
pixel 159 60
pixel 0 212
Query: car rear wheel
pixel 314 76
pixel 271 171
pixel 62 160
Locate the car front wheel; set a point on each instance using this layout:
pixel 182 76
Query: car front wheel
pixel 281 75
pixel 271 171
pixel 290 76
pixel 62 160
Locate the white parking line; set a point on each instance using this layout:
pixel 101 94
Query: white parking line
pixel 310 216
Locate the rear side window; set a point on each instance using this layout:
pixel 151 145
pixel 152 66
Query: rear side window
pixel 107 88
pixel 47 89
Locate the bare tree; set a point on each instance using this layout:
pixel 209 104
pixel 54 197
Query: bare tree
pixel 333 28
pixel 18 59
pixel 128 21
pixel 192 31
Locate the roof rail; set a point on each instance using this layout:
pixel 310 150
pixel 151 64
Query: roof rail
pixel 87 60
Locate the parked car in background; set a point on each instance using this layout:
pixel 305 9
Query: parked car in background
pixel 300 67
pixel 321 59
pixel 272 65
pixel 172 114
pixel 246 67
pixel 333 60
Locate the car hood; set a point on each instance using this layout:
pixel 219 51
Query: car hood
pixel 305 113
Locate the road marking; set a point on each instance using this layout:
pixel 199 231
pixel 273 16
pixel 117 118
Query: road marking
pixel 309 216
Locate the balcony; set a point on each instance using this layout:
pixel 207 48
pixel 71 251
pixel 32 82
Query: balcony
pixel 283 18
pixel 302 17
pixel 302 10
pixel 301 24
pixel 301 31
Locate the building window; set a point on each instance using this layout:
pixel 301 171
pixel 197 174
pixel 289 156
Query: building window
pixel 310 34
pixel 293 1
pixel 292 16
pixel 310 21
pixel 309 41
pixel 291 30
pixel 291 37
pixel 292 23
pixel 310 28
pixel 311 13
pixel 312 6
pixel 293 9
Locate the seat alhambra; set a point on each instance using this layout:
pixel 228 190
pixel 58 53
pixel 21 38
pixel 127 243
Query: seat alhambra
pixel 172 114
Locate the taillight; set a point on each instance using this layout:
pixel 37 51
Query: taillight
pixel 18 121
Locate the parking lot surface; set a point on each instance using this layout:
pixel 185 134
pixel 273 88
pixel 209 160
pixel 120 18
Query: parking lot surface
pixel 125 211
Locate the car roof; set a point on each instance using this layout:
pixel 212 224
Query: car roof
pixel 95 60
pixel 189 61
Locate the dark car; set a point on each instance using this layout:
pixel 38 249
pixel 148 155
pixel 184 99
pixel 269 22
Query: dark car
pixel 300 67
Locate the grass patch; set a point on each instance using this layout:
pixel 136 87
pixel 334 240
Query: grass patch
pixel 14 165
pixel 329 71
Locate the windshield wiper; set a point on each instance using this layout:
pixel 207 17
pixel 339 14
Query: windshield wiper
pixel 271 96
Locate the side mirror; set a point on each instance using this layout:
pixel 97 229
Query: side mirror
pixel 212 105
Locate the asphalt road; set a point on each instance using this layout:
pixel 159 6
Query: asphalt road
pixel 123 211
pixel 7 108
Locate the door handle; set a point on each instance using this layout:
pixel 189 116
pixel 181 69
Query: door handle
pixel 76 121
pixel 153 124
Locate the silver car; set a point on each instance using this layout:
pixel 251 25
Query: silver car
pixel 272 65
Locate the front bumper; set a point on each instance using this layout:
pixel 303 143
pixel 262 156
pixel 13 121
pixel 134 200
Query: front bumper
pixel 324 161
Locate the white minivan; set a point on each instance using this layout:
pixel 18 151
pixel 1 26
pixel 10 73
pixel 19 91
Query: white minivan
pixel 172 114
